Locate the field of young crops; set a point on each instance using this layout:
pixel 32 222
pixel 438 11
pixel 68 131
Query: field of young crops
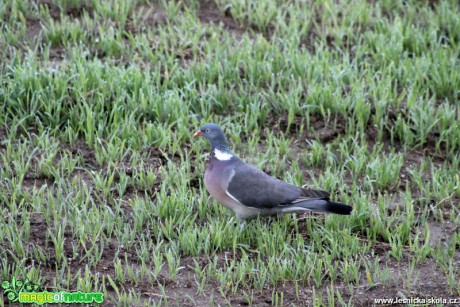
pixel 101 180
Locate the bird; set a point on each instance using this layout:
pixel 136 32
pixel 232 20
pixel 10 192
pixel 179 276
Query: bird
pixel 250 192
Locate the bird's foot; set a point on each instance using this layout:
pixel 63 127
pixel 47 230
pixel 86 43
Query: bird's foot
pixel 242 223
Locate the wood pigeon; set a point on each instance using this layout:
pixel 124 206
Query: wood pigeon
pixel 249 192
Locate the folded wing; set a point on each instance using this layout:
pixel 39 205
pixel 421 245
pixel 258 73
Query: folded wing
pixel 253 188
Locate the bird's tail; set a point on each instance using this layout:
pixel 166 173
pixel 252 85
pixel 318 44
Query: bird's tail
pixel 338 208
pixel 320 205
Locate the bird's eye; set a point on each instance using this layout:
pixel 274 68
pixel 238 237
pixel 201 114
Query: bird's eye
pixel 207 130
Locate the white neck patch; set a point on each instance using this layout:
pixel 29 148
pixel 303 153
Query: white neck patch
pixel 222 156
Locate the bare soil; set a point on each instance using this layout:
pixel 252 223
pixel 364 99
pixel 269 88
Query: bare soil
pixel 427 280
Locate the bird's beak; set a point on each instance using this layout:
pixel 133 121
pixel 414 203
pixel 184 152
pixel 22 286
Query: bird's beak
pixel 198 133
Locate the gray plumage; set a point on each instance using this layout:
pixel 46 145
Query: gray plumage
pixel 249 192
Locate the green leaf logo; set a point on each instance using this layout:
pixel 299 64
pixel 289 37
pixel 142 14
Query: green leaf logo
pixel 13 288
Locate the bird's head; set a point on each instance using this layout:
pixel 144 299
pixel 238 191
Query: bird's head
pixel 210 131
pixel 215 135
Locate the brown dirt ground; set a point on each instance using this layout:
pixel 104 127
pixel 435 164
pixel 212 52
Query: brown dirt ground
pixel 428 280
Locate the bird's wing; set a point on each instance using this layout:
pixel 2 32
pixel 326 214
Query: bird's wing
pixel 253 188
pixel 309 193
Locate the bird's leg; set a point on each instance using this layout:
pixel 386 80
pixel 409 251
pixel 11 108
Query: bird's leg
pixel 242 223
